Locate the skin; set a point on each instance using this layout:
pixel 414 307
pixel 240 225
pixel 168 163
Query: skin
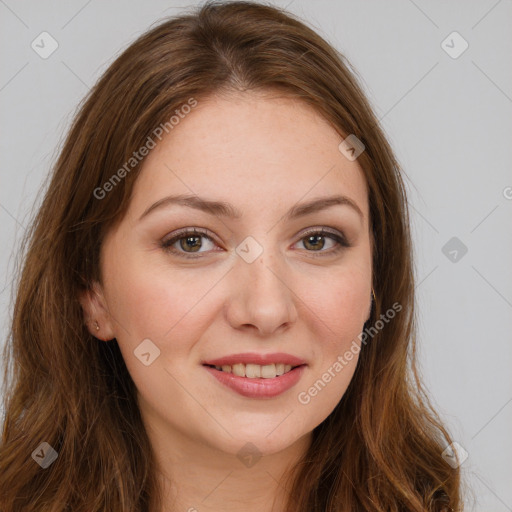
pixel 263 153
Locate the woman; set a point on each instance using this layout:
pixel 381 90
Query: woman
pixel 216 308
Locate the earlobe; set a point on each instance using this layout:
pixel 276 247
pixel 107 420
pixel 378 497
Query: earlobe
pixel 96 314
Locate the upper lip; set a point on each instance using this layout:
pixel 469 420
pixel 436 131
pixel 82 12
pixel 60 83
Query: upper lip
pixel 254 358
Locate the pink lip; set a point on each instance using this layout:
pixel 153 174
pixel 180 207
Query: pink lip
pixel 257 388
pixel 253 358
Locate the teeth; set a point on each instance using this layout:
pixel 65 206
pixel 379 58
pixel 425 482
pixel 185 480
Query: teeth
pixel 239 370
pixel 268 371
pixel 256 371
pixel 252 371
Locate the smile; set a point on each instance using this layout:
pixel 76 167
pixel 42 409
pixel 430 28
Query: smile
pixel 267 387
pixel 255 371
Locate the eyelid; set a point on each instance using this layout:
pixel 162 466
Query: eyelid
pixel 323 230
pixel 174 237
pixel 336 235
pixel 188 231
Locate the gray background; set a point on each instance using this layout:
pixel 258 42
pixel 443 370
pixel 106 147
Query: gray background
pixel 448 119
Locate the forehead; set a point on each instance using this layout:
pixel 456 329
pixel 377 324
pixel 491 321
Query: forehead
pixel 253 149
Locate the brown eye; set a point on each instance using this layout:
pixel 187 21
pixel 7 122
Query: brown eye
pixel 189 243
pixel 314 241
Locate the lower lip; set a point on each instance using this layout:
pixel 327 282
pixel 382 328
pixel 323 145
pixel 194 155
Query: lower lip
pixel 258 388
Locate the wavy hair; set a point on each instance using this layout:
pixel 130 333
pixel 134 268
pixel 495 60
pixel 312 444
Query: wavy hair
pixel 381 447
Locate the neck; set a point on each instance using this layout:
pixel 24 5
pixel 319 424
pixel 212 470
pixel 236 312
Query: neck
pixel 200 478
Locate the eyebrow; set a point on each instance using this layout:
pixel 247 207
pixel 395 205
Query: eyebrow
pixel 223 209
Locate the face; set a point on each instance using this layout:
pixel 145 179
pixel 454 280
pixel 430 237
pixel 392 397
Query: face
pixel 264 287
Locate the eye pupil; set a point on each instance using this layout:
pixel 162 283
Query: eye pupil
pixel 313 237
pixel 194 245
pixel 190 243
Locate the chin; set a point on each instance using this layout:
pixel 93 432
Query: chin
pixel 260 442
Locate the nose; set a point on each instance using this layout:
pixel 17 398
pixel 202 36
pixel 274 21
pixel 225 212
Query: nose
pixel 261 297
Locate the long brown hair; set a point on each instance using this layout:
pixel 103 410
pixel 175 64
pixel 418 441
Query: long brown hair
pixel 379 450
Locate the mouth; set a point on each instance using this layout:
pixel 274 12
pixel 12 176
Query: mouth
pixel 258 376
pixel 255 371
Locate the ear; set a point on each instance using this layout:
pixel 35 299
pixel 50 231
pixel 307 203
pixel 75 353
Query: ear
pixel 96 313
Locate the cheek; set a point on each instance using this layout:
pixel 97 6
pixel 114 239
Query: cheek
pixel 341 306
pixel 148 301
pixel 337 319
pixel 172 309
pixel 163 307
pixel 343 300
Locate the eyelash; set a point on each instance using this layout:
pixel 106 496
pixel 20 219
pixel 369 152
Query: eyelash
pixel 166 245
